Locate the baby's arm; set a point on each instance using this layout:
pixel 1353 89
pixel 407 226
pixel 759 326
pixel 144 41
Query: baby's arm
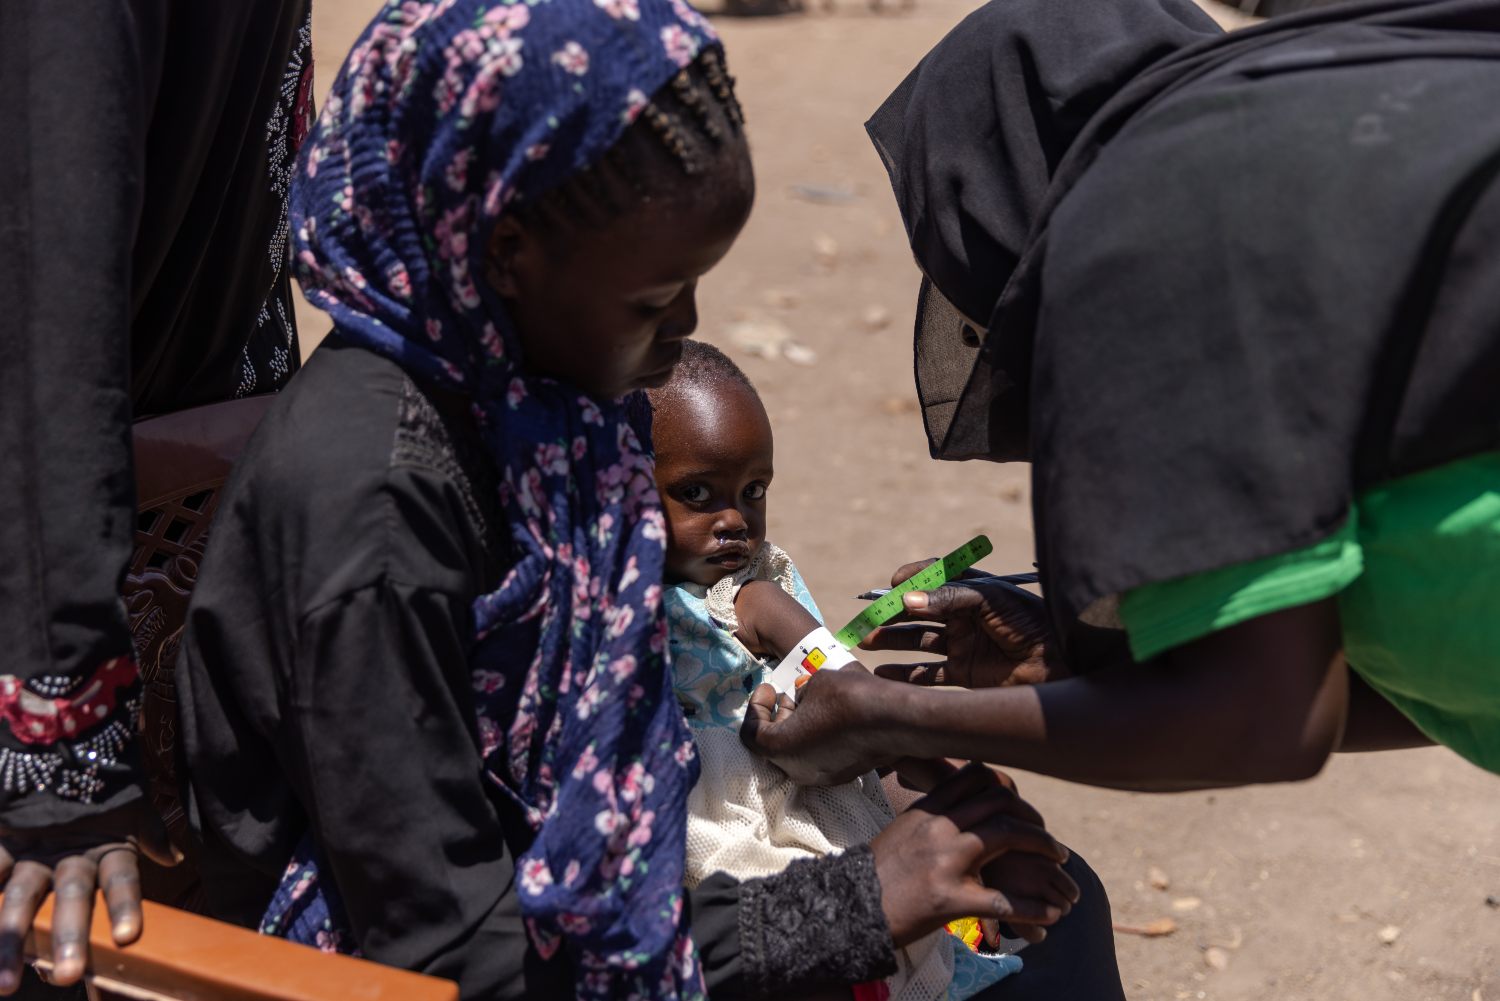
pixel 771 621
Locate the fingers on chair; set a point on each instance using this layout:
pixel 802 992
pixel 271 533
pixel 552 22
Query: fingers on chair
pixel 75 880
pixel 120 879
pixel 25 889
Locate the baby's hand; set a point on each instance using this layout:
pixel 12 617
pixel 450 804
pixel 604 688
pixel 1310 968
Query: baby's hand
pixel 771 621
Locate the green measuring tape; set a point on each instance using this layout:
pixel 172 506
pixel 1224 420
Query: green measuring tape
pixel 886 607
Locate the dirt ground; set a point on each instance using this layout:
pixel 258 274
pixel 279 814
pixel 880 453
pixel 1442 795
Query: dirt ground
pixel 1368 883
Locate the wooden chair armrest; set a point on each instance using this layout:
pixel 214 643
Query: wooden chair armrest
pixel 182 955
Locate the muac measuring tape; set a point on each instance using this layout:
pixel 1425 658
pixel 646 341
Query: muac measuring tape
pixel 821 649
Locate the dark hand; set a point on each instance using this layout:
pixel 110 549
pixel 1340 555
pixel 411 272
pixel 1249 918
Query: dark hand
pixel 102 855
pixel 930 858
pixel 990 635
pixel 1020 873
pixel 1025 876
pixel 825 737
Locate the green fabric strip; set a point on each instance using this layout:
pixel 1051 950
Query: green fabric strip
pixel 1422 624
pixel 1164 615
pixel 1416 568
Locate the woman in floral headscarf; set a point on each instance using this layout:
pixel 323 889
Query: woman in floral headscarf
pixel 425 663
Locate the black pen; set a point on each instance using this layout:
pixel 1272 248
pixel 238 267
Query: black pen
pixel 1030 577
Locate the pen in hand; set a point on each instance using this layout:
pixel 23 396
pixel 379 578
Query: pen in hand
pixel 1030 577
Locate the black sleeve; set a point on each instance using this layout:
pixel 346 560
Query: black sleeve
pixel 384 744
pixel 713 909
pixel 817 923
pixel 75 91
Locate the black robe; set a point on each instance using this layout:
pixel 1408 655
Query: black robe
pixel 147 146
pixel 1212 286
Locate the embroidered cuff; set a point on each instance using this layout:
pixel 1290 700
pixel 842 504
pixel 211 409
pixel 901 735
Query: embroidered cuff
pixel 70 739
pixel 817 922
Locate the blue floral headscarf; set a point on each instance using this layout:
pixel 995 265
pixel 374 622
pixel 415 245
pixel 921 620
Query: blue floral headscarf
pixel 444 114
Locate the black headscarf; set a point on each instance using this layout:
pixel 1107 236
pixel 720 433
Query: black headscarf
pixel 971 139
pixel 1278 8
pixel 1259 278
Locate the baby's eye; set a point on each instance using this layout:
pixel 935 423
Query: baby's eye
pixel 755 491
pixel 693 493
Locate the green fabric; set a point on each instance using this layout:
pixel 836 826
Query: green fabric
pixel 1416 568
pixel 1158 617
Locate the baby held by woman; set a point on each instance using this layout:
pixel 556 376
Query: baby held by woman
pixel 736 606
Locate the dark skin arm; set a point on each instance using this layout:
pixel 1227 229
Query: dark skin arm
pixel 1373 724
pixel 990 639
pixel 771 621
pixel 1263 701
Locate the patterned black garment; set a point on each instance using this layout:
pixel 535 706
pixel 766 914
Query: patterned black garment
pixel 148 146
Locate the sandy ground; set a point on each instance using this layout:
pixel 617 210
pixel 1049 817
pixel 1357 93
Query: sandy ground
pixel 1367 884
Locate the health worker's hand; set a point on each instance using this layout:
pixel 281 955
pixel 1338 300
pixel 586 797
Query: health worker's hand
pixel 990 633
pixel 103 854
pixel 970 848
pixel 830 735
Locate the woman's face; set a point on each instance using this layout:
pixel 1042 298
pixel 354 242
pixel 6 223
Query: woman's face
pixel 607 309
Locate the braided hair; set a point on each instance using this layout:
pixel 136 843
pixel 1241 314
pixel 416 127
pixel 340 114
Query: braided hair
pixel 680 133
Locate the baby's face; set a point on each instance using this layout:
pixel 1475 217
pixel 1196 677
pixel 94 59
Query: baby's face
pixel 713 467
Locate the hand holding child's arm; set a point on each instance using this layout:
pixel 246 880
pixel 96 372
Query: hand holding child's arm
pixel 771 621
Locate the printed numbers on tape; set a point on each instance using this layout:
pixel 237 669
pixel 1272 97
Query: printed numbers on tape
pixel 889 605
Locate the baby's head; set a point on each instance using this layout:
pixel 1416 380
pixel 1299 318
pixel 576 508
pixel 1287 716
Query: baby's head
pixel 713 466
pixel 600 274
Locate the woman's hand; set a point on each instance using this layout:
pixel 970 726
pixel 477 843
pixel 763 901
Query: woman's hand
pixel 102 855
pixel 1021 872
pixel 991 633
pixel 830 735
pixel 970 848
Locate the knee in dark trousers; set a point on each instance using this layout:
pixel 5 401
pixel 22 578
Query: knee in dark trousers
pixel 1076 962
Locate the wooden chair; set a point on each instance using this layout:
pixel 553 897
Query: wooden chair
pixel 185 957
pixel 182 461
